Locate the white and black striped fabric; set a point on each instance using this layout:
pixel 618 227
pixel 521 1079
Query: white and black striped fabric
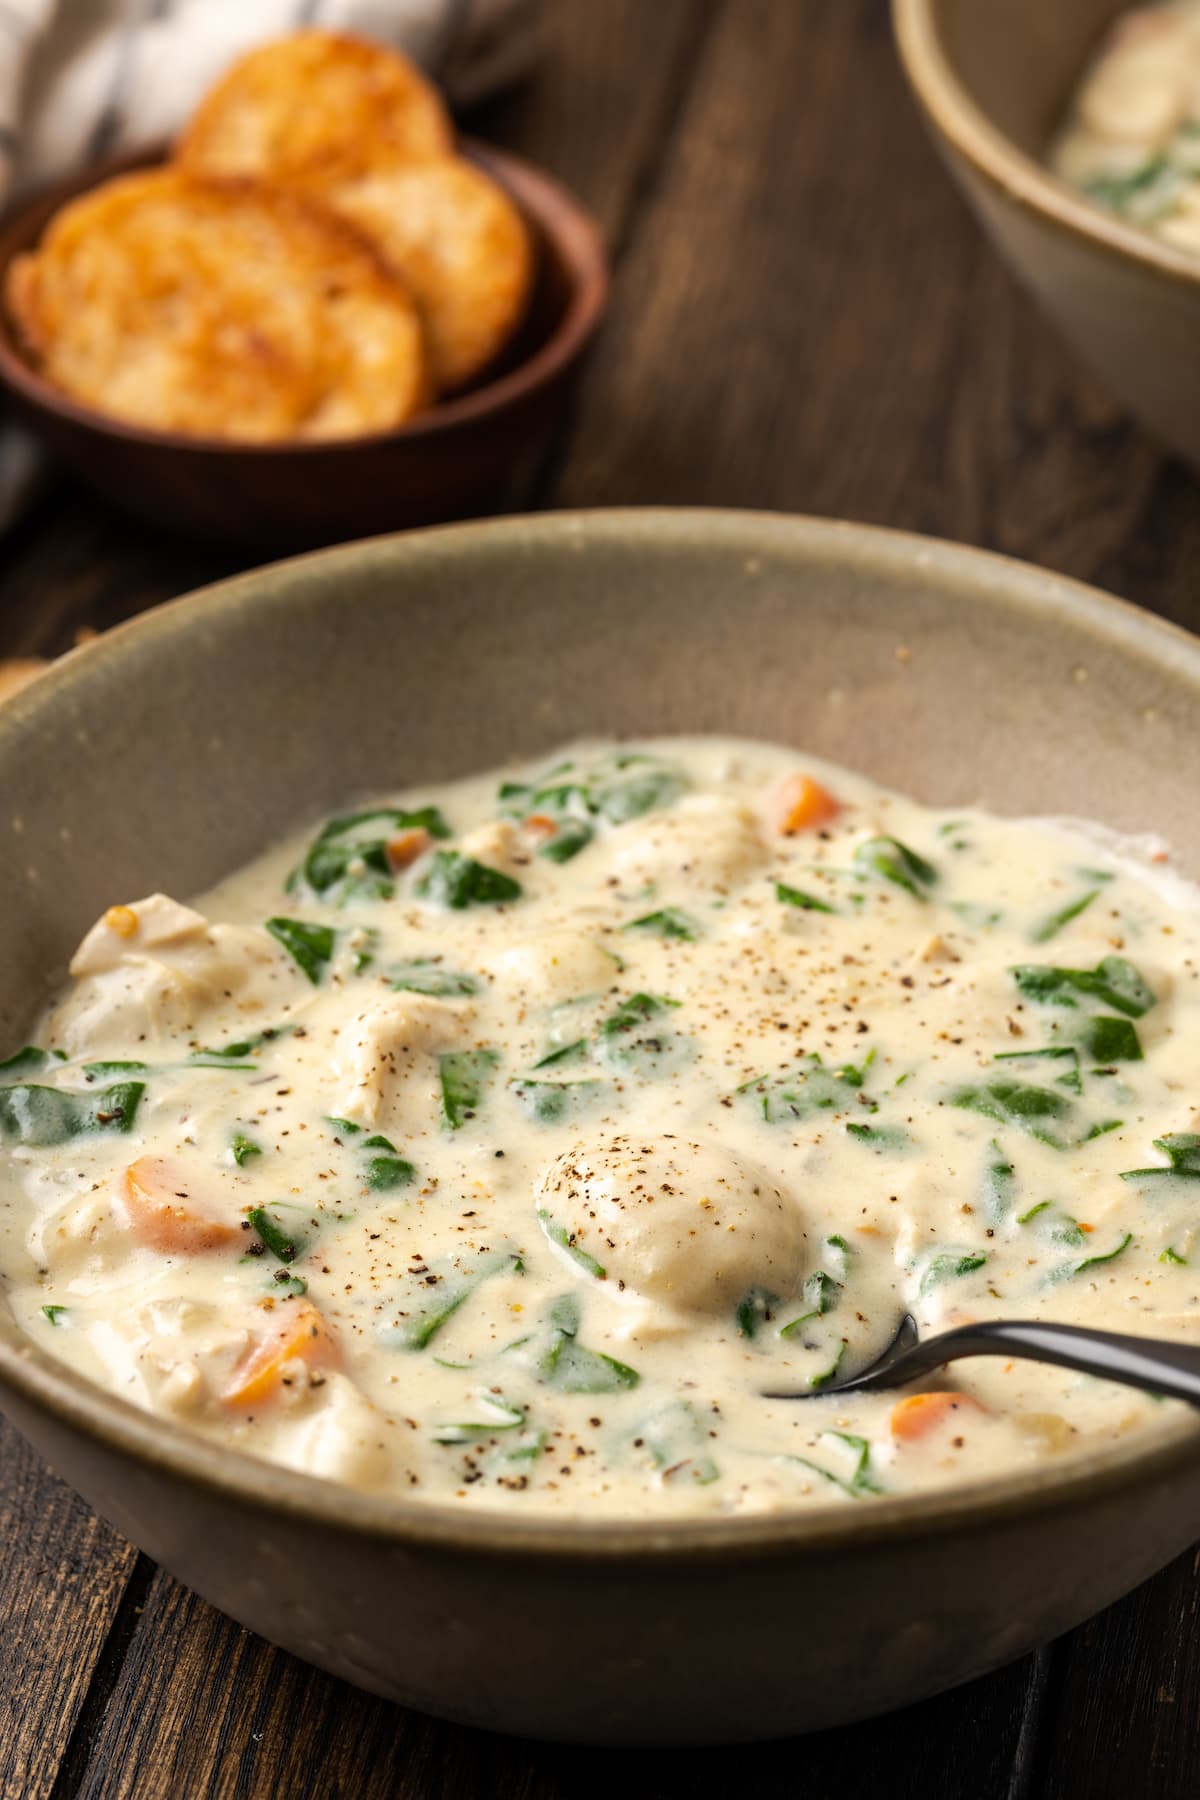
pixel 80 79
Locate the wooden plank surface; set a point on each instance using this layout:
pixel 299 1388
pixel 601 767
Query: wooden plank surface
pixel 804 318
pixel 63 1576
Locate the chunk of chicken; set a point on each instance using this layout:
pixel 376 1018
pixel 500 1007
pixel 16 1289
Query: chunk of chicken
pixel 377 1049
pixel 154 969
pixel 498 844
pixel 338 1434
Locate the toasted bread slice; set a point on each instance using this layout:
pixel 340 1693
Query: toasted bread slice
pixel 317 106
pixel 226 309
pixel 18 671
pixel 463 251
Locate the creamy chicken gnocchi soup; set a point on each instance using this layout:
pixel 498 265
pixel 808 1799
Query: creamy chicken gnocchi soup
pixel 1132 142
pixel 503 1143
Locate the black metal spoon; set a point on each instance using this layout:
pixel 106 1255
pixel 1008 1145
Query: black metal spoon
pixel 1155 1364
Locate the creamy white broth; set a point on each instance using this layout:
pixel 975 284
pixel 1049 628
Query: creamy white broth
pixel 524 1201
pixel 1132 139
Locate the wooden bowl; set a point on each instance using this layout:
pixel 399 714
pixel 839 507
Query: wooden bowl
pixel 286 691
pixel 994 78
pixel 296 495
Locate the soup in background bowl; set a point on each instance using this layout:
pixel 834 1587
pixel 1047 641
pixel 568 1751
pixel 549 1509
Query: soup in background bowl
pixel 995 80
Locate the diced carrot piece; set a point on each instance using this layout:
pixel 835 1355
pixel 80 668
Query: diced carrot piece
pixel 156 1197
pixel 404 849
pixel 540 826
pixel 123 920
pixel 919 1414
pixel 802 804
pixel 300 1334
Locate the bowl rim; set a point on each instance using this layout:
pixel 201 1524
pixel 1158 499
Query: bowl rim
pixel 540 197
pixel 38 1381
pixel 968 130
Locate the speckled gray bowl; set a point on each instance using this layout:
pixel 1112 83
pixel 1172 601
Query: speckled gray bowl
pixel 168 751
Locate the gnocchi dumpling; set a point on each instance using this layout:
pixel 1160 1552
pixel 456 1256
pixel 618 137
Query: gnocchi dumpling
pixel 704 841
pixel 690 1224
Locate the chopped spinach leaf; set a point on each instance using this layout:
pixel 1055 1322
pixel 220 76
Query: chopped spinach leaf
pixel 562 1362
pixel 634 1012
pixel 1017 1103
pixel 244 1148
pixel 811 1088
pixel 820 1294
pixel 895 862
pixel 860 1480
pixel 1064 1053
pixel 426 976
pixel 1111 1040
pixel 571 836
pixel 755 1309
pixel 1114 981
pixel 1146 194
pixel 841 1253
pixel 946 1265
pixel 558 1234
pixel 1182 1151
pixel 1057 921
pixel 566 1053
pixel 458 881
pixel 464 1076
pixel 999 1185
pixel 364 944
pixel 615 788
pixel 827 1375
pixel 360 840
pixel 668 922
pixel 548 1102
pixel 42 1116
pixel 386 1170
pixel 792 896
pixel 1099 1129
pixel 881 1137
pixel 676 1443
pixel 636 784
pixel 275 1234
pixel 625 1045
pixel 1053 1223
pixel 435 1295
pixel 1091 1262
pixel 494 1413
pixel 310 946
pixel 31 1061
pixel 235 1056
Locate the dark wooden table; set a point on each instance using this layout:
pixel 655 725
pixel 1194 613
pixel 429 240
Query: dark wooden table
pixel 805 318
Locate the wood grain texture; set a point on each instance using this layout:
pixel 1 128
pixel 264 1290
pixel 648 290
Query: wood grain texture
pixel 1126 1713
pixel 805 318
pixel 62 1578
pixel 808 319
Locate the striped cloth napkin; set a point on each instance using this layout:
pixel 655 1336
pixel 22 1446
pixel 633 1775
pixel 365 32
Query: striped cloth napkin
pixel 83 79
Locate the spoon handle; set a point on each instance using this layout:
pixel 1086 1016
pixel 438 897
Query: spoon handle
pixel 1154 1364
